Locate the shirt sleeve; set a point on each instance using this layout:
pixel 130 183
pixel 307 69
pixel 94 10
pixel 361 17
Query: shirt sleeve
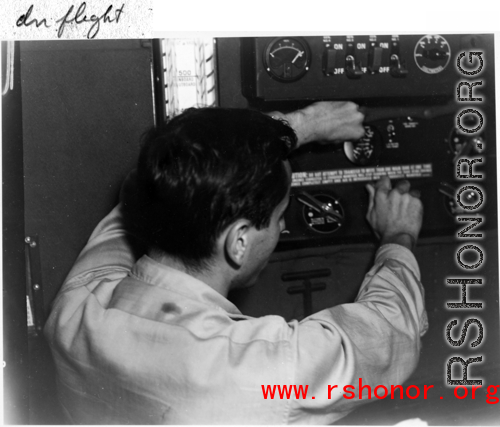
pixel 109 251
pixel 373 341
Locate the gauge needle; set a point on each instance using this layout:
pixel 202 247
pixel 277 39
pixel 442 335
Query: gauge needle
pixel 447 190
pixel 297 56
pixel 322 208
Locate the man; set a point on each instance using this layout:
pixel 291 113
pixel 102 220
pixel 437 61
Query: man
pixel 155 340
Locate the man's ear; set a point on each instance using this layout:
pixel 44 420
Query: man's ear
pixel 237 242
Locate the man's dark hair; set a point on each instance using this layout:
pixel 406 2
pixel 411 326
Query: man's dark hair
pixel 201 171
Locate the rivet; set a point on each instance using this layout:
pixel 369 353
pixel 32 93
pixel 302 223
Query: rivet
pixel 36 286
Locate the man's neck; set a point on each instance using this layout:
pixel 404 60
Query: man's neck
pixel 211 276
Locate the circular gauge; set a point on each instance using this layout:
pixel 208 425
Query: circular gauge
pixel 287 59
pixel 451 202
pixel 365 150
pixel 464 145
pixel 319 222
pixel 432 54
pixel 454 209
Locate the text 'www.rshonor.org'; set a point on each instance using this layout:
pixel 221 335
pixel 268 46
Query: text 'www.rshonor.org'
pixel 377 392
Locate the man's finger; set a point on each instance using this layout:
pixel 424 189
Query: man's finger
pixel 403 186
pixel 383 184
pixel 371 195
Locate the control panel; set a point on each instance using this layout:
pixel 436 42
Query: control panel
pixel 328 199
pixel 407 87
pixel 403 65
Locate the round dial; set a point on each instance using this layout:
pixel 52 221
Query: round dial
pixel 319 222
pixel 287 59
pixel 432 54
pixel 365 150
pixel 464 145
pixel 454 209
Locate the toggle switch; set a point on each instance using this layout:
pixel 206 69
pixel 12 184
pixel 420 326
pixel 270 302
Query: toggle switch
pixel 352 68
pixel 333 59
pixel 329 59
pixel 375 59
pixel 398 68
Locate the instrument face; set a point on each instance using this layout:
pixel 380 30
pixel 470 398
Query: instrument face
pixel 432 54
pixel 366 150
pixel 325 215
pixel 287 59
pixel 462 144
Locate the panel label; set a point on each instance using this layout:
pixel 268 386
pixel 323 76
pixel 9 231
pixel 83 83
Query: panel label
pixel 345 176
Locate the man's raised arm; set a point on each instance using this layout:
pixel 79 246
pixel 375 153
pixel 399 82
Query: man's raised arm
pixel 326 121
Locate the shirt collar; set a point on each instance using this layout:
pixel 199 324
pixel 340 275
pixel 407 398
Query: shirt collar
pixel 165 277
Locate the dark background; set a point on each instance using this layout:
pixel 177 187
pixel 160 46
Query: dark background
pixel 85 105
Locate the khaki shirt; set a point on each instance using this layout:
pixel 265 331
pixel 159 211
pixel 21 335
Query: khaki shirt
pixel 137 342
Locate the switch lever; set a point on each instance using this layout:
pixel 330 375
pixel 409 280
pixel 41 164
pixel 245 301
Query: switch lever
pixel 352 70
pixel 447 190
pixel 398 68
pixel 322 208
pixel 375 59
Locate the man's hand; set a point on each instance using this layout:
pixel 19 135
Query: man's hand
pixel 394 214
pixel 326 121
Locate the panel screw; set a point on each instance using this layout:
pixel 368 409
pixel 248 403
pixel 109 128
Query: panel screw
pixel 27 239
pixel 33 244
